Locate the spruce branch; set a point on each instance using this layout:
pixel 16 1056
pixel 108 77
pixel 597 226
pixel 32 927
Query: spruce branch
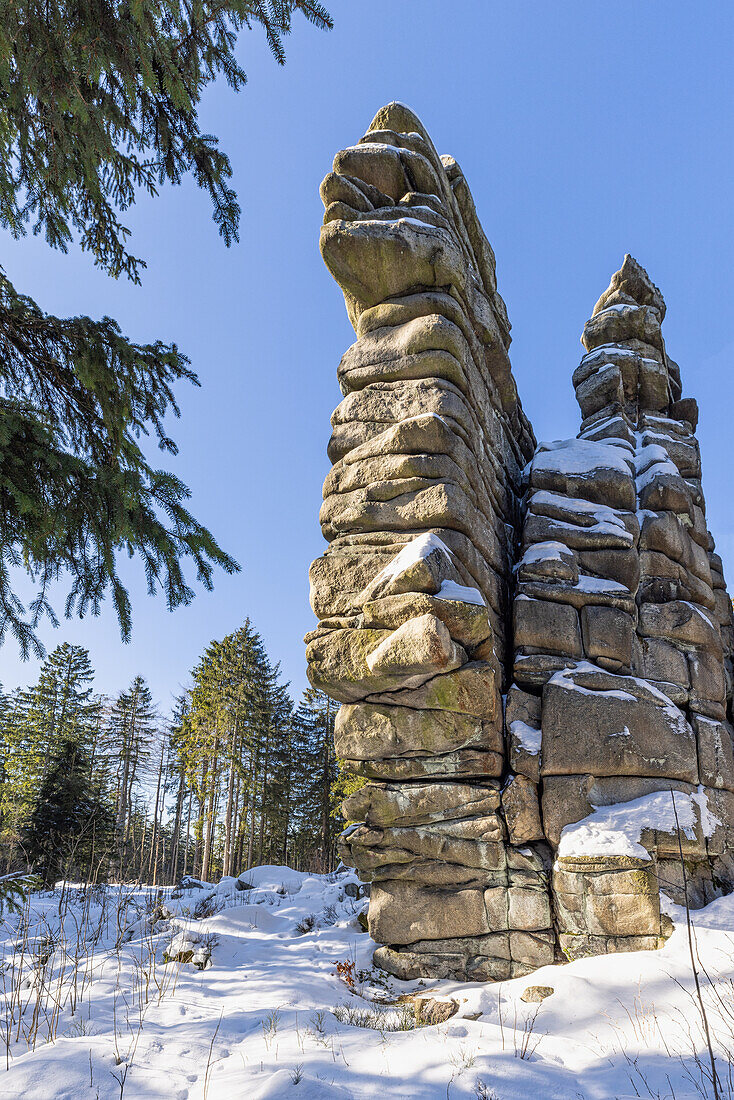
pixel 99 100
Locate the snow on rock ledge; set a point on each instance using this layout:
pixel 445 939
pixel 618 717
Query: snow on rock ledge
pixel 616 830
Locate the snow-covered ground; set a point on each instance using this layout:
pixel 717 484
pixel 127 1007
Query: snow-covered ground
pixel 270 1015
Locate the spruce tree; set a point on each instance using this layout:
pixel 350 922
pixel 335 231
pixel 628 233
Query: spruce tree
pixel 15 781
pixel 58 708
pixel 5 739
pixel 62 807
pixel 98 101
pixel 70 818
pixel 132 727
pixel 224 744
pixel 315 773
pixel 231 744
pixel 76 490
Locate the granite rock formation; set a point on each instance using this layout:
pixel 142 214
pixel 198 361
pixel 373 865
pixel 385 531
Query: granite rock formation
pixel 633 692
pixel 532 644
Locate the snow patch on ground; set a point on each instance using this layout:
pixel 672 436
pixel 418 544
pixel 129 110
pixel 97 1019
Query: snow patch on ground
pixel 259 1022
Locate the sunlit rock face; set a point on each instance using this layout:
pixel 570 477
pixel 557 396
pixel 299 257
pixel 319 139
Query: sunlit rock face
pixel 518 634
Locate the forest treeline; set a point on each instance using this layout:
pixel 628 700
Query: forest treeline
pixel 94 788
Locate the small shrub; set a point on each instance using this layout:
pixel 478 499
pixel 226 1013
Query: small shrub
pixel 80 1028
pixel 400 1018
pixel 345 970
pixel 306 925
pixel 269 1026
pixel 318 1024
pixel 96 893
pixel 208 906
pixel 484 1092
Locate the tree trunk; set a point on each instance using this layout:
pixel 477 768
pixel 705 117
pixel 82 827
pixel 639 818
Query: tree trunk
pixel 227 855
pixel 154 838
pixel 210 815
pixel 264 795
pixel 188 834
pixel 173 857
pixel 253 803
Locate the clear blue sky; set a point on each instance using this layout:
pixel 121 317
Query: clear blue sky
pixel 586 130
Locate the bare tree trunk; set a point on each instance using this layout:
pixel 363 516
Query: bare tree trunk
pixel 121 818
pixel 325 796
pixel 236 827
pixel 188 834
pixel 199 823
pixel 227 856
pixel 175 839
pixel 263 795
pixel 141 859
pixel 154 837
pixel 286 815
pixel 253 804
pixel 210 815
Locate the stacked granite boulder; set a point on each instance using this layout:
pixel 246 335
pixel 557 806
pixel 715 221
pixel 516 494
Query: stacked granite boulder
pixel 623 647
pixel 421 510
pixel 577 580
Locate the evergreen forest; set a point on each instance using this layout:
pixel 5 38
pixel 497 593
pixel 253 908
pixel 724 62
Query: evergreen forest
pixel 96 788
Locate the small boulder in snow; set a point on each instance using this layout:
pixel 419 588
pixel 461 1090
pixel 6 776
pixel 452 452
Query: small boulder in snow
pixel 429 1010
pixel 534 994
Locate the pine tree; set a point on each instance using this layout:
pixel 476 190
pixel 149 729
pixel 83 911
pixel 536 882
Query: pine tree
pixel 59 806
pixel 224 743
pixel 15 781
pixel 278 793
pixel 345 783
pixel 60 705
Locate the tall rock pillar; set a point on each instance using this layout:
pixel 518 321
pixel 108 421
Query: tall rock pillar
pixel 623 639
pixel 421 514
